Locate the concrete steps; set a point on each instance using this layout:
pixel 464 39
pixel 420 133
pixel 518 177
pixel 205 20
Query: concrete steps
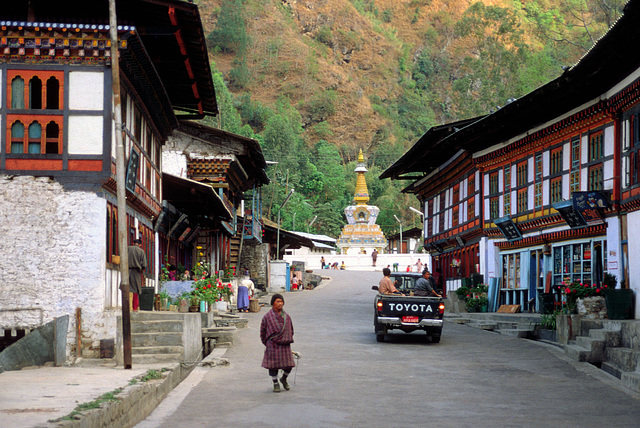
pixel 230 321
pixel 159 325
pixel 592 348
pixel 156 337
pixel 631 381
pixel 625 359
pixel 521 326
pixel 223 335
pixel 155 358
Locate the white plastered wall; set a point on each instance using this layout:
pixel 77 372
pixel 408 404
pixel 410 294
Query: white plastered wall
pixel 633 230
pixel 86 93
pixel 53 246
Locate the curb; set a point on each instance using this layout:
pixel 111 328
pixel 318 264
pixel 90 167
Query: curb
pixel 133 404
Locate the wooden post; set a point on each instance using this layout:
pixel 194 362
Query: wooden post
pixel 121 190
pixel 78 332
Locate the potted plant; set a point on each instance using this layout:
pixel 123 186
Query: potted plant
pixel 620 301
pixel 164 301
pixel 482 304
pixel 194 304
pixel 184 302
pixel 547 329
pixel 472 305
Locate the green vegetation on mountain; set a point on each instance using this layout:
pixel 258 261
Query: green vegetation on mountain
pixel 314 81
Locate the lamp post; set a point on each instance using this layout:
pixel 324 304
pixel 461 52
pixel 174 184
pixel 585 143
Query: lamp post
pixel 280 209
pixel 423 229
pixel 310 223
pixel 400 246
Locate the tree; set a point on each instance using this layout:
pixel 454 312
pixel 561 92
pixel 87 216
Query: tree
pixel 230 33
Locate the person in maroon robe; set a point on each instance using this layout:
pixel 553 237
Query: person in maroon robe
pixel 276 333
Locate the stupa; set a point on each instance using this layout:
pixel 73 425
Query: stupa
pixel 361 234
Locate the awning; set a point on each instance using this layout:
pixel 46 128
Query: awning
pixel 199 201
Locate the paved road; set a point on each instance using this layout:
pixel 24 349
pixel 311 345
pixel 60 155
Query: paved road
pixel 346 379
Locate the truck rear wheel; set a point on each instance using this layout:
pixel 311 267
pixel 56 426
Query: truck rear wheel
pixel 379 329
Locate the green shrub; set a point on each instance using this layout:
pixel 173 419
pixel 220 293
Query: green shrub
pixel 324 35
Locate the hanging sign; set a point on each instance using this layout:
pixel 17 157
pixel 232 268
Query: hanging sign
pixel 590 204
pixel 569 214
pixel 508 228
pixel 132 171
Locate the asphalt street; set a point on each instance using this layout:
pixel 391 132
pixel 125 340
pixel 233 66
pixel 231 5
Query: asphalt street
pixel 346 379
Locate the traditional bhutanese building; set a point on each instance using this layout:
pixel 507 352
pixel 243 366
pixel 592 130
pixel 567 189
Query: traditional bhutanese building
pixel 546 189
pixel 361 234
pixel 58 205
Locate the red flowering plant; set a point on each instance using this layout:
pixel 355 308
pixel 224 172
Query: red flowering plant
pixel 206 289
pixel 577 290
pixel 225 291
pixel 204 286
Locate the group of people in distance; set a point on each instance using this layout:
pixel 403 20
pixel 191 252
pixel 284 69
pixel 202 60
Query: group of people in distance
pixel 425 286
pixel 334 265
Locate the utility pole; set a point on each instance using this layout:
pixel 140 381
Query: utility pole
pixel 121 191
pixel 399 246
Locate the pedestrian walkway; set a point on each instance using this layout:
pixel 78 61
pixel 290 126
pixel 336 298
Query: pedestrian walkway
pixel 33 397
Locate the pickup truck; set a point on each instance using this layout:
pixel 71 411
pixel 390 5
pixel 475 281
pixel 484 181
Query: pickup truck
pixel 407 313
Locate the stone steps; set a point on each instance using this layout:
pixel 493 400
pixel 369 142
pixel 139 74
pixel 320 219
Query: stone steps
pixel 625 359
pixel 593 348
pixel 230 321
pixel 157 325
pixel 155 358
pixel 157 338
pixel 146 350
pixel 577 353
pixel 631 381
pixel 509 326
pixel 220 334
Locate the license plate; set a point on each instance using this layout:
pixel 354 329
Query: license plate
pixel 412 319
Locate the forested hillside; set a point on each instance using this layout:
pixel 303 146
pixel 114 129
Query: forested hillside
pixel 316 80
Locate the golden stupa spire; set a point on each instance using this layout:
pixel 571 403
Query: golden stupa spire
pixel 362 193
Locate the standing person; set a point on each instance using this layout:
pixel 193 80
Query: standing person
pixel 425 286
pixel 374 256
pixel 322 262
pixel 276 333
pixel 137 265
pixel 419 266
pixel 294 282
pixel 439 279
pixel 245 290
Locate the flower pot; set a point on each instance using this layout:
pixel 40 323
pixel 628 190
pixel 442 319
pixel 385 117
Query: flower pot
pixel 203 306
pixel 194 308
pixel 619 303
pixel 146 298
pixel 165 304
pixel 184 306
pixel 484 308
pixel 547 302
pixel 222 305
pixel 546 334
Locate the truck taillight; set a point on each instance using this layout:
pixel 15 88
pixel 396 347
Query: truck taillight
pixel 441 308
pixel 379 305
